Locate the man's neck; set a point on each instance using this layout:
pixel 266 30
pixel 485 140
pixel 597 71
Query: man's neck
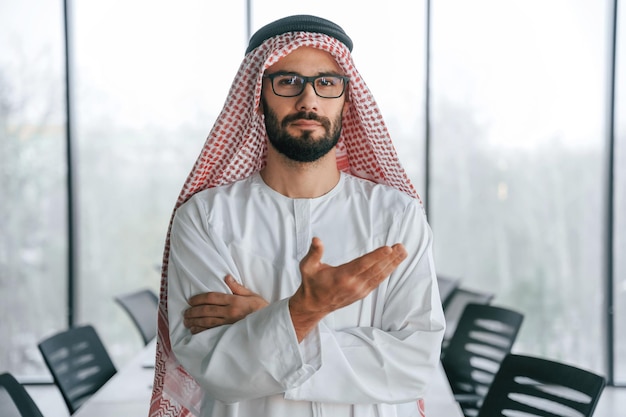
pixel 300 179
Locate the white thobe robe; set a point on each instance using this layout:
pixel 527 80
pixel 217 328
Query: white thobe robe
pixel 371 358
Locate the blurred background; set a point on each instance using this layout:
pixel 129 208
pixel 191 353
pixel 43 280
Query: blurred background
pixel 509 116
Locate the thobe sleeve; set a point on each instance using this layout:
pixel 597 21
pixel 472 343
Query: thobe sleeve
pixel 255 357
pixel 392 359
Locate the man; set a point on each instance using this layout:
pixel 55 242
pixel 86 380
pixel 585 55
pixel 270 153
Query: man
pixel 298 273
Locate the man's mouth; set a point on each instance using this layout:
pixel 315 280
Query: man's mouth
pixel 306 123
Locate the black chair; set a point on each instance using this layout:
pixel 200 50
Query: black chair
pixel 142 308
pixel 447 286
pixel 484 336
pixel 539 387
pixel 78 362
pixel 455 305
pixel 15 400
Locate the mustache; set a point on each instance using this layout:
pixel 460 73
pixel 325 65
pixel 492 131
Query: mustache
pixel 303 115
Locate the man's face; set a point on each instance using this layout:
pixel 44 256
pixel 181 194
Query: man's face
pixel 306 127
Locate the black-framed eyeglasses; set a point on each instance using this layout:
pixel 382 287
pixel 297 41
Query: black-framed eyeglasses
pixel 292 85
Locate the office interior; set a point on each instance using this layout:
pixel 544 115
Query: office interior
pixel 509 117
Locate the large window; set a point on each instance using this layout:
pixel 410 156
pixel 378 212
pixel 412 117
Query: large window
pixel 519 141
pixel 33 209
pixel 518 151
pixel 146 96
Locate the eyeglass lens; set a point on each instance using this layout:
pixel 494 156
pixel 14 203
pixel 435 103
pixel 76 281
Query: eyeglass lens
pixel 290 85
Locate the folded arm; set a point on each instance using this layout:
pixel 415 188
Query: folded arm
pixel 245 347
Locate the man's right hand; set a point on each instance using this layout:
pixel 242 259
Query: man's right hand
pixel 325 288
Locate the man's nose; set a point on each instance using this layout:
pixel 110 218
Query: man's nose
pixel 308 99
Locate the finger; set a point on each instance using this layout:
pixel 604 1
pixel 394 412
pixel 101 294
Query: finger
pixel 216 298
pixel 236 287
pixel 204 311
pixel 313 258
pixel 377 264
pixel 397 255
pixel 197 329
pixel 400 250
pixel 379 271
pixel 386 255
pixel 365 262
pixel 204 322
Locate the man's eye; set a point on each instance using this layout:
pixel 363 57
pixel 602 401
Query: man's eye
pixel 326 81
pixel 290 81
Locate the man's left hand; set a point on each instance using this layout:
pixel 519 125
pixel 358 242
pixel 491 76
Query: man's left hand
pixel 214 309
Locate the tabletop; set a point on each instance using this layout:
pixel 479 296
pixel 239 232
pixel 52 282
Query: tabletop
pixel 129 391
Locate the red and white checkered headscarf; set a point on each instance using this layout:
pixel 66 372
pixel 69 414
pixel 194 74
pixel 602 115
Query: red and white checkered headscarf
pixel 236 148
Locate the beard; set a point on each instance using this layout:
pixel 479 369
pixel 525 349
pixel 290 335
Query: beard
pixel 304 148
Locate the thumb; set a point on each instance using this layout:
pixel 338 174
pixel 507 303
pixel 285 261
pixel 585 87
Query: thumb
pixel 313 258
pixel 236 287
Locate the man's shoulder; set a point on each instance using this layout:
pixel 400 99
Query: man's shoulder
pixel 210 196
pixel 225 189
pixel 376 190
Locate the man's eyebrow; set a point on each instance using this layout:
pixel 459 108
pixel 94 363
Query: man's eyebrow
pixel 319 74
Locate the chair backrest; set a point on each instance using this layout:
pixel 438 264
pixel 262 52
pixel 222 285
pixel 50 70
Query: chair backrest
pixel 540 387
pixel 141 306
pixel 447 286
pixel 15 400
pixel 78 362
pixel 455 305
pixel 484 336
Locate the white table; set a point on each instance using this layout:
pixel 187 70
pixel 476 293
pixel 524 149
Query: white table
pixel 128 393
